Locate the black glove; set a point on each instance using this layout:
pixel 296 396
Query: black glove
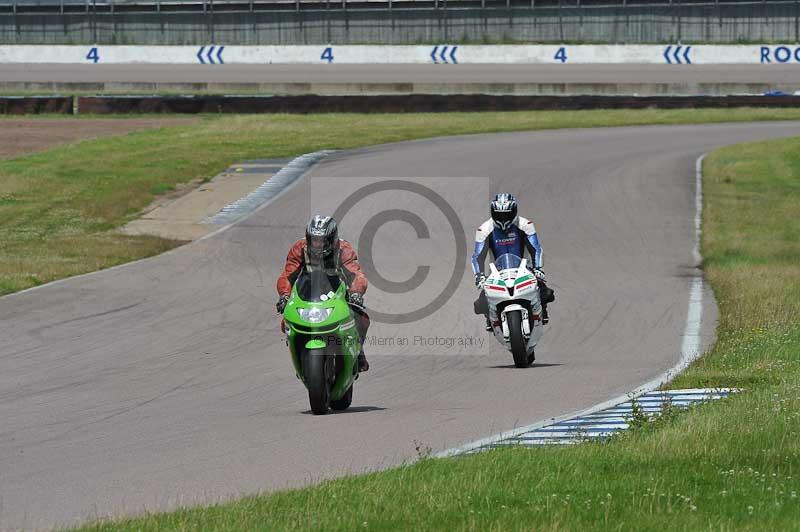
pixel 281 304
pixel 356 299
pixel 479 280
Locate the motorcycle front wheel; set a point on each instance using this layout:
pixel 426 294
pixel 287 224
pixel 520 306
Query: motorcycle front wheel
pixel 317 380
pixel 518 344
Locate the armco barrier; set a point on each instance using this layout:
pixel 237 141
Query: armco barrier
pixel 410 103
pixel 212 55
pixel 13 105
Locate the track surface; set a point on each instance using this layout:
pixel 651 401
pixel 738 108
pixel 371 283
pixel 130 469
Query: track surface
pixel 633 74
pixel 166 382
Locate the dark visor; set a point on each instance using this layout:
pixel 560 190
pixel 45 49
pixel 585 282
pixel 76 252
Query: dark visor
pixel 504 216
pixel 316 243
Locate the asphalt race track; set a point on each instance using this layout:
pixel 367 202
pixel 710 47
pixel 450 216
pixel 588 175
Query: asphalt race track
pixel 167 382
pixel 336 74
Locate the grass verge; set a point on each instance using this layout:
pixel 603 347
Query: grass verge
pixel 58 208
pixel 729 465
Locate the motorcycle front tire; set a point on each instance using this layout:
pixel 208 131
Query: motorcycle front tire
pixel 317 381
pixel 518 344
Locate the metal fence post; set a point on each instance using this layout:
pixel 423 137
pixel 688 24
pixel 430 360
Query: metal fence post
pixel 346 22
pixel 627 22
pixel 446 22
pixel 63 18
pixel 510 17
pixel 94 21
pixel 391 24
pixel 211 21
pixel 16 22
pixel 161 20
pixel 328 21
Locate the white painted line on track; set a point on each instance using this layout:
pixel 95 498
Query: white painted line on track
pixel 690 350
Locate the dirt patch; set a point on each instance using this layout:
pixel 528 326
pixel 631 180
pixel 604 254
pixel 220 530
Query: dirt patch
pixel 182 214
pixel 22 136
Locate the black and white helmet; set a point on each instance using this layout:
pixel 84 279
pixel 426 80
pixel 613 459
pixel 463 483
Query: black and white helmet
pixel 504 211
pixel 322 236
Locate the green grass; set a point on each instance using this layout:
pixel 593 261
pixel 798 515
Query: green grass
pixel 729 465
pixel 161 188
pixel 58 208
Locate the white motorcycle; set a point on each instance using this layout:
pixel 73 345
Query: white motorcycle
pixel 515 308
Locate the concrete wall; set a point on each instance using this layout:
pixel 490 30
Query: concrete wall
pixel 658 54
pixel 757 22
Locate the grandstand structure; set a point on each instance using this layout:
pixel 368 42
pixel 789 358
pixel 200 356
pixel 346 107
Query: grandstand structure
pixel 286 22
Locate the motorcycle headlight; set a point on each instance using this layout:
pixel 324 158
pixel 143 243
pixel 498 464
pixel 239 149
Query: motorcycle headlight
pixel 316 314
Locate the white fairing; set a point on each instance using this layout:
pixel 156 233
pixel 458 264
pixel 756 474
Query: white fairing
pixel 508 286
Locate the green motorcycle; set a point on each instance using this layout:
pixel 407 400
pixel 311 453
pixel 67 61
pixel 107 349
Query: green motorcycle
pixel 323 339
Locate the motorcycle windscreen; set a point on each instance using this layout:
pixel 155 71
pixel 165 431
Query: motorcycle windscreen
pixel 507 261
pixel 316 286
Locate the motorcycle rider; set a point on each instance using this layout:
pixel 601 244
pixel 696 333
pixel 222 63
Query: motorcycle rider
pixel 507 232
pixel 322 248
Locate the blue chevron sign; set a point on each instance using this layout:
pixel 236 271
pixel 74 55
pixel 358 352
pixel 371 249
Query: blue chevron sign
pixel 440 56
pixel 674 57
pixel 207 56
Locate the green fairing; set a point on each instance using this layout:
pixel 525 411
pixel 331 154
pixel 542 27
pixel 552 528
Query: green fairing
pixel 315 343
pixel 343 341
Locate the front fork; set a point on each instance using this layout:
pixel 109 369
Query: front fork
pixel 526 324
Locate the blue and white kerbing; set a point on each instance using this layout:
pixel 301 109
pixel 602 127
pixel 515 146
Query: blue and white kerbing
pixel 268 190
pixel 605 423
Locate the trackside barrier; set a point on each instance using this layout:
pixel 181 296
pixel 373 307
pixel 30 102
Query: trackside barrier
pixel 21 105
pixel 441 54
pixel 369 104
pixel 411 103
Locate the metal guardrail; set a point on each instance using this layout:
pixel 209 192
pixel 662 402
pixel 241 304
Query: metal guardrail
pixel 146 6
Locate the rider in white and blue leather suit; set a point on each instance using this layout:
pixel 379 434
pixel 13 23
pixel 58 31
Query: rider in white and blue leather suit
pixel 507 232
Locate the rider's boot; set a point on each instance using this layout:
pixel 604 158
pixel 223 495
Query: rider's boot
pixel 489 327
pixel 545 317
pixel 363 365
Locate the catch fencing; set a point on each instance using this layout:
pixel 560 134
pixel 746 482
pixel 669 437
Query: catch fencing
pixel 280 22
